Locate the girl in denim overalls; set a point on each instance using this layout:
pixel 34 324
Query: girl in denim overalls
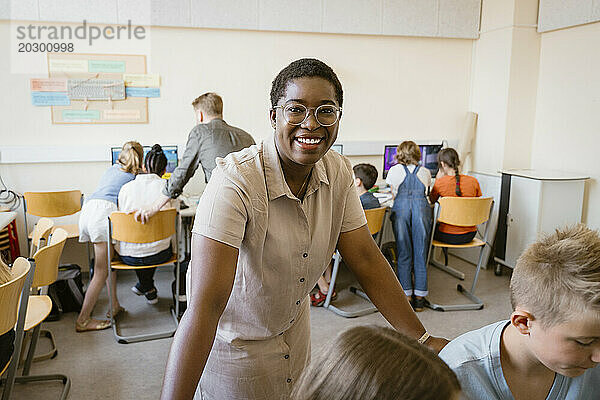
pixel 412 217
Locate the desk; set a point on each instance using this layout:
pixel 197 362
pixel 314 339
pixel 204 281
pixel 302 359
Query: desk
pixel 9 241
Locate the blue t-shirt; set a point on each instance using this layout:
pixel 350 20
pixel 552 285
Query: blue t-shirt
pixel 475 358
pixel 368 201
pixel 111 182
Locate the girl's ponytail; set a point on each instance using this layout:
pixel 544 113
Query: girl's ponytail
pixel 131 157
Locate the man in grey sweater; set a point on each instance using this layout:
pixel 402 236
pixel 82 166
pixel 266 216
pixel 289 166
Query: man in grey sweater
pixel 211 138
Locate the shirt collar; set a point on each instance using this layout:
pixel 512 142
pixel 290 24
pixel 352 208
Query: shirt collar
pixel 276 184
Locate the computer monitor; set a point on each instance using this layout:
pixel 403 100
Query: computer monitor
pixel 429 153
pixel 338 147
pixel 170 152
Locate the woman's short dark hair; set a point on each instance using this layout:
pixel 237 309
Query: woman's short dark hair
pixel 302 68
pixel 156 160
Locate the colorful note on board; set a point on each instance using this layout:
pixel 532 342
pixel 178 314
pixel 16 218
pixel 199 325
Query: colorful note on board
pixel 142 80
pixel 48 85
pixel 50 99
pixel 80 115
pixel 142 92
pixel 106 66
pixel 62 65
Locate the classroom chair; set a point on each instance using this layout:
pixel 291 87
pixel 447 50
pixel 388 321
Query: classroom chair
pixel 46 262
pixel 462 211
pixel 15 295
pixel 51 205
pixel 10 293
pixel 123 227
pixel 39 235
pixel 375 223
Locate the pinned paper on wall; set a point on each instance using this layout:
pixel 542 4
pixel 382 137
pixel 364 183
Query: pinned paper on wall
pixel 96 88
pixel 63 65
pixel 50 99
pixel 80 115
pixel 121 115
pixel 106 66
pixel 142 80
pixel 142 92
pixel 48 85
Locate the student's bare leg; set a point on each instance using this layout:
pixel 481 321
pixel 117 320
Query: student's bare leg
pixel 96 284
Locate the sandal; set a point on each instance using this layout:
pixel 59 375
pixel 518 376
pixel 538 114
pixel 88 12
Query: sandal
pixel 115 313
pixel 91 325
pixel 318 299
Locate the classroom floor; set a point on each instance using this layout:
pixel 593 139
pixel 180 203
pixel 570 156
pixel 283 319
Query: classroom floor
pixel 100 368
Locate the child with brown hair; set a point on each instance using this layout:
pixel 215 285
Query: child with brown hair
pixel 93 228
pixel 376 363
pixel 450 183
pixel 550 346
pixel 411 216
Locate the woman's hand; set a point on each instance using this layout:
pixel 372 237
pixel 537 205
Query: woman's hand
pixel 144 214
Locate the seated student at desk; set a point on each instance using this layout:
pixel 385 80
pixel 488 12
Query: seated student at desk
pixel 133 195
pixel 449 183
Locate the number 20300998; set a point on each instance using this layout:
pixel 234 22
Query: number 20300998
pixel 45 47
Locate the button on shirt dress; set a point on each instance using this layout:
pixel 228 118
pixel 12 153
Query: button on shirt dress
pixel 263 337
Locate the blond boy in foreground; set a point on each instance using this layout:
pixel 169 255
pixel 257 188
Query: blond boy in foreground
pixel 550 347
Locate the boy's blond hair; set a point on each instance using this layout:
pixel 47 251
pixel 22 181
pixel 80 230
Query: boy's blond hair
pixel 210 104
pixel 558 276
pixel 375 362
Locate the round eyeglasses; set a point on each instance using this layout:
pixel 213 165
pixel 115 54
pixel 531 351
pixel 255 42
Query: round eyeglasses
pixel 296 114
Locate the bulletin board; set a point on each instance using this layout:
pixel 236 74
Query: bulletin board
pixel 98 66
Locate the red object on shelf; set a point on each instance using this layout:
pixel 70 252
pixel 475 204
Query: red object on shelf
pixel 13 238
pixel 9 246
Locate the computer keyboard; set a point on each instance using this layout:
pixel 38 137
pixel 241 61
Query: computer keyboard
pixel 96 89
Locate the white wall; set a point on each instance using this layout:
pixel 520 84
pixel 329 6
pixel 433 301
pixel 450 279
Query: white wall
pixel 567 122
pixel 395 88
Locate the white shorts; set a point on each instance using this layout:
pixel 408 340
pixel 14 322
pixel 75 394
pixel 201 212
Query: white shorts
pixel 93 220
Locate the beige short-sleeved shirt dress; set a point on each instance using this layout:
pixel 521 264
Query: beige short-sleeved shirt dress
pixel 263 337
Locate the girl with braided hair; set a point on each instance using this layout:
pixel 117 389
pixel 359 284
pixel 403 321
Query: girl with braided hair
pixel 449 182
pixel 136 194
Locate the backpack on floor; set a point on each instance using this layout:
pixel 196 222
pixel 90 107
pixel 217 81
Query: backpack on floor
pixel 67 292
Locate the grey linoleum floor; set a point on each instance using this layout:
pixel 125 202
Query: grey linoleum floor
pixel 100 368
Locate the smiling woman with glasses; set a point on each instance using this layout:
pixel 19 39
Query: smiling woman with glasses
pixel 267 224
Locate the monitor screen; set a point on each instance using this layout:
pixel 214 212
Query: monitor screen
pixel 429 154
pixel 170 152
pixel 338 147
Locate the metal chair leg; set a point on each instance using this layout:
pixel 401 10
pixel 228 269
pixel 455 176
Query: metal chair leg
pixel 449 270
pixel 347 314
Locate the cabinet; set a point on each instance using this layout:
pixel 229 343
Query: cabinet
pixel 534 202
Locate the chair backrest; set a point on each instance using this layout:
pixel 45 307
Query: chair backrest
pixel 126 229
pixel 53 204
pixel 41 231
pixel 375 219
pixel 10 293
pixel 47 259
pixel 464 211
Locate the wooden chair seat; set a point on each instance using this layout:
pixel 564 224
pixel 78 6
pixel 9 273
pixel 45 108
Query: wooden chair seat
pixel 72 230
pixel 38 308
pixel 120 265
pixel 474 243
